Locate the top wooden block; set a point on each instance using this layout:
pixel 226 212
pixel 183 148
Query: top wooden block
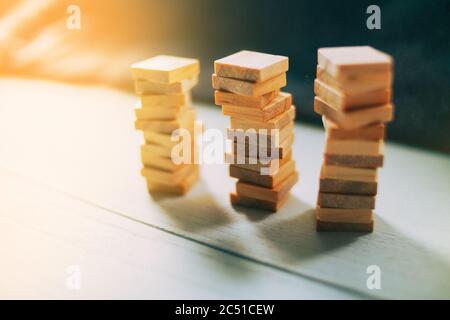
pixel 251 66
pixel 165 69
pixel 342 61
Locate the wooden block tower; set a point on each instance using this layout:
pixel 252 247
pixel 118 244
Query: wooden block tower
pixel 164 85
pixel 353 92
pixel 248 87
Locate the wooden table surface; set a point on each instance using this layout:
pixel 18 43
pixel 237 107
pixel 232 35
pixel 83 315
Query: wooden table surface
pixel 73 197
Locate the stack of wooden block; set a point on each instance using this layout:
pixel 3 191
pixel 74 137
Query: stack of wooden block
pixel 248 89
pixel 164 84
pixel 353 95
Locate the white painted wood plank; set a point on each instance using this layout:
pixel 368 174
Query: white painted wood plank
pixel 44 232
pixel 82 141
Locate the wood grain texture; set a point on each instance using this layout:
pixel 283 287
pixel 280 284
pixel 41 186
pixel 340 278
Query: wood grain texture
pixel 142 87
pixel 161 113
pixel 165 100
pixel 355 161
pixel 275 194
pixel 354 119
pixel 271 165
pixel 279 105
pixel 223 97
pixel 328 185
pixel 345 102
pixel 363 216
pixel 186 120
pixel 343 226
pixel 346 62
pixel 165 69
pixel 268 181
pixel 168 177
pixel 160 162
pixel 278 122
pixel 251 66
pixel 171 187
pixel 370 132
pixel 335 179
pixel 354 147
pixel 165 139
pixel 345 201
pixel 271 138
pixel 357 83
pixel 249 88
pixel 346 173
pixel 258 204
pixel 264 150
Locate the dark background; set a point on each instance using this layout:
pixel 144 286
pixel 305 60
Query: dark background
pixel 416 33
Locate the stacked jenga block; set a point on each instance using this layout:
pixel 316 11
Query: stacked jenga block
pixel 353 92
pixel 248 87
pixel 164 85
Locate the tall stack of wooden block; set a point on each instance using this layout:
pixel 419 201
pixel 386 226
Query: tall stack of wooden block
pixel 353 94
pixel 248 87
pixel 164 84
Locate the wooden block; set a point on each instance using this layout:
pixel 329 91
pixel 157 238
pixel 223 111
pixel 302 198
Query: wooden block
pixel 264 151
pixel 270 167
pixel 251 66
pixel 268 181
pixel 248 88
pixel 150 150
pixel 169 177
pixel 255 163
pixel 344 102
pixel 163 163
pixel 344 215
pixel 275 123
pixel 354 119
pixel 350 174
pixel 346 62
pixel 336 179
pixel 161 126
pixel 274 194
pixel 345 201
pixel 354 147
pixel 271 139
pixel 358 83
pixel 154 150
pixel 143 87
pixel 158 162
pixel 354 161
pixel 179 189
pixel 279 105
pixel 324 226
pixel 165 100
pixel 160 113
pixel 165 139
pixel 223 97
pixel 165 69
pixel 238 200
pixel 371 132
pixel 328 185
